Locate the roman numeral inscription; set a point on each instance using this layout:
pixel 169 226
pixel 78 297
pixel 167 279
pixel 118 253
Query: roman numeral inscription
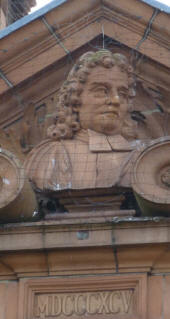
pixel 79 304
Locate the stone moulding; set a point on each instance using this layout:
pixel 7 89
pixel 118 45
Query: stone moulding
pixel 122 297
pixel 118 23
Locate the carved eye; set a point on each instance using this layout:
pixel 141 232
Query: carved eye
pixel 123 92
pixel 100 91
pixel 104 90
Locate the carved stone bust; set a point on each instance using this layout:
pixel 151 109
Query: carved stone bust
pixel 90 143
pixel 96 95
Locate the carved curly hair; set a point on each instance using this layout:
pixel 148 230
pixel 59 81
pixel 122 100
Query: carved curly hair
pixel 66 124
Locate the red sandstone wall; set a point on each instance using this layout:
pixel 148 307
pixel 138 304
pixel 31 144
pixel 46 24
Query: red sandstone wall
pixel 158 298
pixel 8 299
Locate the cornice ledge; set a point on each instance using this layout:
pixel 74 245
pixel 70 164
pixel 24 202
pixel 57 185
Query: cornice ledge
pixel 107 11
pixel 120 231
pixel 119 17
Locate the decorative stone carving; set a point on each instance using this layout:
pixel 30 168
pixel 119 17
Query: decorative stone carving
pixel 108 296
pixel 91 140
pixel 84 304
pixel 151 177
pixel 165 177
pixel 32 126
pixel 17 199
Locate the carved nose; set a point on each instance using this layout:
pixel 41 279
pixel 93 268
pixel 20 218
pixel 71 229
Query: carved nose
pixel 114 100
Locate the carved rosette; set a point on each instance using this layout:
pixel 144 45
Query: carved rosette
pixel 151 178
pixel 17 200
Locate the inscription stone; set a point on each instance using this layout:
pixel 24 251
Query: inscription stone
pixel 113 297
pixel 83 304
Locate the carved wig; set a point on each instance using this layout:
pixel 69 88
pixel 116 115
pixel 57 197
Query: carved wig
pixel 66 124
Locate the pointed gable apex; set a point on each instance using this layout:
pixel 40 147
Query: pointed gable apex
pixel 62 30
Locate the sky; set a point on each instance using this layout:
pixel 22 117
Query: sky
pixel 41 3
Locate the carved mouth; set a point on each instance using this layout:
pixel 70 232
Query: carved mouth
pixel 113 113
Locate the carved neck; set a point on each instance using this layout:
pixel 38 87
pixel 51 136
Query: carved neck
pixel 82 135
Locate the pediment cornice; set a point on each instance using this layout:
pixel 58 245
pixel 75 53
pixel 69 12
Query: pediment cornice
pixel 25 52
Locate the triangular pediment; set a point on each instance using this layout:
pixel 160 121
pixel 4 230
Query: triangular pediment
pixel 69 26
pixel 36 58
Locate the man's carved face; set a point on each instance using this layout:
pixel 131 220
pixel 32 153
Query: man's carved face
pixel 104 100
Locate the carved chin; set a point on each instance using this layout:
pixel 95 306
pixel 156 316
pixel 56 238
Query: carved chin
pixel 109 124
pixel 106 123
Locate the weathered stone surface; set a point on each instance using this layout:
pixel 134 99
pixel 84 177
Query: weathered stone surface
pixel 89 144
pixel 84 297
pixel 100 246
pixel 151 177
